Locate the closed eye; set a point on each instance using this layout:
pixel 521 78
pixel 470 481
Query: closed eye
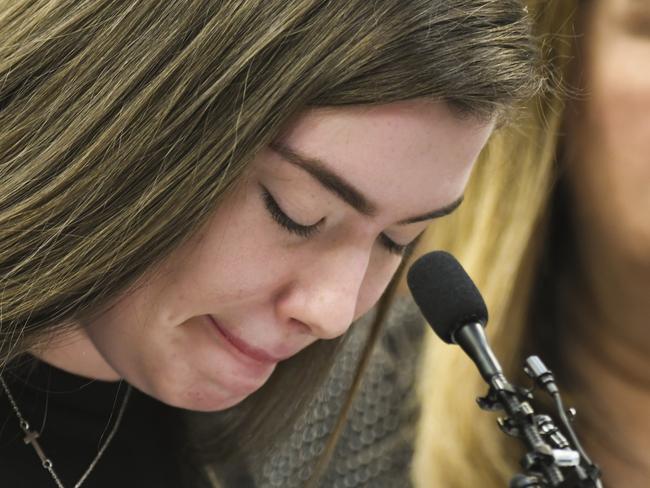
pixel 403 250
pixel 286 222
pixel 305 231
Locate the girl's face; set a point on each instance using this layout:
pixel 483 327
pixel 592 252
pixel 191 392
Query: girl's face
pixel 609 133
pixel 305 245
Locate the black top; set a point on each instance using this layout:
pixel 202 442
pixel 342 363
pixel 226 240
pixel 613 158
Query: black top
pixel 74 415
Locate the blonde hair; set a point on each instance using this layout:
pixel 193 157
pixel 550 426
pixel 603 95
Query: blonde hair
pixel 498 235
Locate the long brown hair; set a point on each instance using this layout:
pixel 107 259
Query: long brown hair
pixel 500 235
pixel 122 125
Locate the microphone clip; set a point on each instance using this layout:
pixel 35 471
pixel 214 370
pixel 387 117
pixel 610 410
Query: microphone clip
pixel 552 459
pixel 493 400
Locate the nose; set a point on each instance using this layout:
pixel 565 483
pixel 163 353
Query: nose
pixel 324 295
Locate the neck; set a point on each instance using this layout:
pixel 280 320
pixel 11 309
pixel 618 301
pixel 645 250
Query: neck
pixel 74 352
pixel 608 351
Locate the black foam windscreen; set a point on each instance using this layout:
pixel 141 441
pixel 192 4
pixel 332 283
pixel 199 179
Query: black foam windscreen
pixel 445 294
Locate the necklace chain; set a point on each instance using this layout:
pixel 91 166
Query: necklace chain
pixel 31 437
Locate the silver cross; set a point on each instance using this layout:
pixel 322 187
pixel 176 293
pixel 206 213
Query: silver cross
pixel 30 438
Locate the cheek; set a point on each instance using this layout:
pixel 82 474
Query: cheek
pixel 176 362
pixel 234 259
pixel 128 333
pixel 380 271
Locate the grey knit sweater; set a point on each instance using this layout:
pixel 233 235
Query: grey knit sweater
pixel 375 448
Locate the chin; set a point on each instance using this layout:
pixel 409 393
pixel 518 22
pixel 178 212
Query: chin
pixel 204 396
pixel 207 403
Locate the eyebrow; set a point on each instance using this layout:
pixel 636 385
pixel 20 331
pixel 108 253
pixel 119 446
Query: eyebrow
pixel 346 191
pixel 435 214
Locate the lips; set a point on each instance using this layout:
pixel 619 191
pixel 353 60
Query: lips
pixel 246 349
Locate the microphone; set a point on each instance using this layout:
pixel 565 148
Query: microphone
pixel 453 306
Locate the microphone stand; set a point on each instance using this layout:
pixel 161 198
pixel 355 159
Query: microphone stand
pixel 551 460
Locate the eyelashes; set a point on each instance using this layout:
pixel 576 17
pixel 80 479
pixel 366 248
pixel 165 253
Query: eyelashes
pixel 306 231
pixel 284 220
pixel 404 250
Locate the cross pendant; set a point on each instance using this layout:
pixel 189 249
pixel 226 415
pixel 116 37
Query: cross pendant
pixel 30 438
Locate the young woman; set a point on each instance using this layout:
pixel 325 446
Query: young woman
pixel 194 192
pixel 564 261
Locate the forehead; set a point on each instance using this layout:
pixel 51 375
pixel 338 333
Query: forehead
pixel 635 4
pixel 624 7
pixel 416 153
